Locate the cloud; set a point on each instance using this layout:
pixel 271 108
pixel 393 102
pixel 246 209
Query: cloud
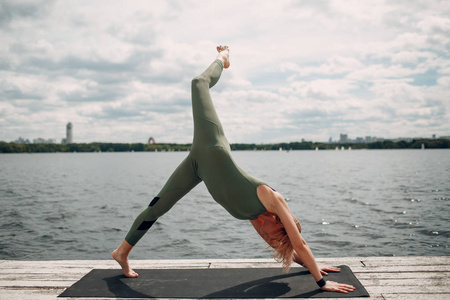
pixel 17 11
pixel 120 71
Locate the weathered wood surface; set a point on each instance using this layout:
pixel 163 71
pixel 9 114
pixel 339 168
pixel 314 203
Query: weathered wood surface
pixel 383 277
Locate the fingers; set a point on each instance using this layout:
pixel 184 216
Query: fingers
pixel 345 288
pixel 323 272
pixel 338 287
pixel 330 269
pixel 334 269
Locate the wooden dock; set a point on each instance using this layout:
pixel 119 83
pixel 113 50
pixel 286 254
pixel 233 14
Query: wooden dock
pixel 383 277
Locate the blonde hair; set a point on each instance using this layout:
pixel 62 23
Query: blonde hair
pixel 278 239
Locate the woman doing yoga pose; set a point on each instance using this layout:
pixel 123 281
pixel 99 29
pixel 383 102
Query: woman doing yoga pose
pixel 242 195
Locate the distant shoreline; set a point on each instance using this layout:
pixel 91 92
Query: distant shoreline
pixel 141 147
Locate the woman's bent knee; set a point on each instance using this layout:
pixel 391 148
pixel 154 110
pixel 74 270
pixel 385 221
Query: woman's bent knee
pixel 199 82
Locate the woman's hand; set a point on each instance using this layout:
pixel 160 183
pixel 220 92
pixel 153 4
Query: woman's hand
pixel 325 269
pixel 332 286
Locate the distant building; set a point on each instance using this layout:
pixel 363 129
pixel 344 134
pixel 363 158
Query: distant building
pixel 343 138
pixel 43 141
pixel 373 139
pixel 378 139
pixel 69 135
pixel 22 141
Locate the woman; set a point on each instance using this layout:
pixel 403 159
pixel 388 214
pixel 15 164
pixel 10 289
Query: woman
pixel 242 195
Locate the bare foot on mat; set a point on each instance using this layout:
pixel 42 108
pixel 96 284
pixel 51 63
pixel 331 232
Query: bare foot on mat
pixel 123 262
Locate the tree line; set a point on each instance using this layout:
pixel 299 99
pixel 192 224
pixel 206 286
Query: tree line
pixel 140 147
pixel 386 144
pixel 90 147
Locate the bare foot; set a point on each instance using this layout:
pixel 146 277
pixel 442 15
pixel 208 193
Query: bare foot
pixel 123 262
pixel 224 55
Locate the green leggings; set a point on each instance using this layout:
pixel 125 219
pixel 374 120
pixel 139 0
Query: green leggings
pixel 209 161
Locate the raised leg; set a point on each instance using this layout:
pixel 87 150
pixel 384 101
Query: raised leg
pixel 207 126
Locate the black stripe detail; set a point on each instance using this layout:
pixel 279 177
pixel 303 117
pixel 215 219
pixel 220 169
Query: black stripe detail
pixel 146 225
pixel 154 201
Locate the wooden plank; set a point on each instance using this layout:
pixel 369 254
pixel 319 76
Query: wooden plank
pixel 384 277
pixel 403 275
pixel 415 296
pixel 406 282
pixel 38 283
pixel 37 270
pixel 403 269
pixel 40 276
pixel 362 262
pixel 408 260
pixel 393 289
pixel 30 293
pixel 397 260
pixel 369 262
pixel 355 269
pixel 104 264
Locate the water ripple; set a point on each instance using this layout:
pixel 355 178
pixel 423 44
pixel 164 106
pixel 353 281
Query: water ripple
pixel 355 203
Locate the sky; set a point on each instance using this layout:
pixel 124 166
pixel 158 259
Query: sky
pixel 120 71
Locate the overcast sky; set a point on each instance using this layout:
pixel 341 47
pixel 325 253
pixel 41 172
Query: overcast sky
pixel 120 71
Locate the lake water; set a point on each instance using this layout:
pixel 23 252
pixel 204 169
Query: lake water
pixel 350 203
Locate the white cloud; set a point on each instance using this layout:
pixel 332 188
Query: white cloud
pixel 121 71
pixel 411 57
pixel 334 65
pixel 323 88
pixel 444 81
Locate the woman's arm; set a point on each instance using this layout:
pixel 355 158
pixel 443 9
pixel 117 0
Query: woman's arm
pixel 275 203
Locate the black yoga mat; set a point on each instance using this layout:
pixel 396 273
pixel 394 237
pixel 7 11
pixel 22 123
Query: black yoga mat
pixel 210 283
